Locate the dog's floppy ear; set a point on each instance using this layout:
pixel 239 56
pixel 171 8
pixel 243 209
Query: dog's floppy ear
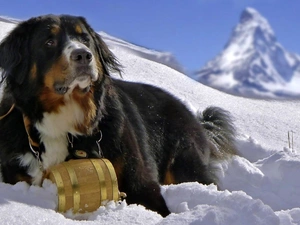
pixel 107 58
pixel 13 49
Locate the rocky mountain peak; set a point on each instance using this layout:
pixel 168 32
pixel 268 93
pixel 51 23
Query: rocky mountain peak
pixel 252 62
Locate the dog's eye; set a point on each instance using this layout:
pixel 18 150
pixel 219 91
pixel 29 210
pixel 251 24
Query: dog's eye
pixel 61 90
pixel 51 43
pixel 86 41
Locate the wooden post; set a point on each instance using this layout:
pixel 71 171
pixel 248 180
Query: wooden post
pixel 289 139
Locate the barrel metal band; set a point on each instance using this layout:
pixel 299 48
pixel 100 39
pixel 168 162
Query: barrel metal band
pixel 101 178
pixel 60 191
pixel 114 180
pixel 75 187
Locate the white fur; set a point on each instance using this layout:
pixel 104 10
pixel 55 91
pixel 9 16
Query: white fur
pixel 33 167
pixel 56 150
pixel 72 45
pixel 58 124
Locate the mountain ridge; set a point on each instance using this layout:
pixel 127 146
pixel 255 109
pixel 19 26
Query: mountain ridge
pixel 162 57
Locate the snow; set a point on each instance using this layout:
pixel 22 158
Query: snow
pixel 260 186
pixel 5 27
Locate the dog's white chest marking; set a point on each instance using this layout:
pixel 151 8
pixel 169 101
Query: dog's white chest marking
pixel 54 129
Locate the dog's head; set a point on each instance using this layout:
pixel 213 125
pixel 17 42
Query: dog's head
pixel 46 58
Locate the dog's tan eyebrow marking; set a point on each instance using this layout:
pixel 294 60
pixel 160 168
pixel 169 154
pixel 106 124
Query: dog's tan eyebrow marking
pixel 78 29
pixel 55 29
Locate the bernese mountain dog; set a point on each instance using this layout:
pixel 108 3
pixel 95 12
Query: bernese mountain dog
pixel 59 96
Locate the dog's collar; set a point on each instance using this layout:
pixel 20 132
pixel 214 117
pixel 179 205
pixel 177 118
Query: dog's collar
pixel 33 145
pixel 8 112
pixel 82 154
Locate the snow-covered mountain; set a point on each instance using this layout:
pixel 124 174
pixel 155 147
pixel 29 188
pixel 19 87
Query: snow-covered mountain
pixel 7 19
pixel 253 63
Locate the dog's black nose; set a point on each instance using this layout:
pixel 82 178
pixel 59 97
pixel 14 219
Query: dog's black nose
pixel 81 56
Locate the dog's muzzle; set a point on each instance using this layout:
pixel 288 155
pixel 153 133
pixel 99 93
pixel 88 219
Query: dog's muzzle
pixel 83 69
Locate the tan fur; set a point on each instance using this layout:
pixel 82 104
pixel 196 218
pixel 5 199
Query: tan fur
pixel 169 178
pixel 86 103
pixel 78 29
pixel 55 29
pixel 33 72
pixel 50 100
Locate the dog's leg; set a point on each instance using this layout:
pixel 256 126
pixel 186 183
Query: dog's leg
pixel 190 163
pixel 144 192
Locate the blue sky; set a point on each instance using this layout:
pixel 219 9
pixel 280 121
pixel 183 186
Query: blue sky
pixel 193 30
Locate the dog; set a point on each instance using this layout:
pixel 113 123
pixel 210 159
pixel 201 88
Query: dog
pixel 59 96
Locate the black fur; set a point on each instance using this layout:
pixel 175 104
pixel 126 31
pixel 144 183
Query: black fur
pixel 150 136
pixel 220 130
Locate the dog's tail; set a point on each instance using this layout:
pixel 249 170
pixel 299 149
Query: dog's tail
pixel 220 131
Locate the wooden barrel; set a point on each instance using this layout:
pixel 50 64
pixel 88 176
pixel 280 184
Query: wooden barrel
pixel 84 184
